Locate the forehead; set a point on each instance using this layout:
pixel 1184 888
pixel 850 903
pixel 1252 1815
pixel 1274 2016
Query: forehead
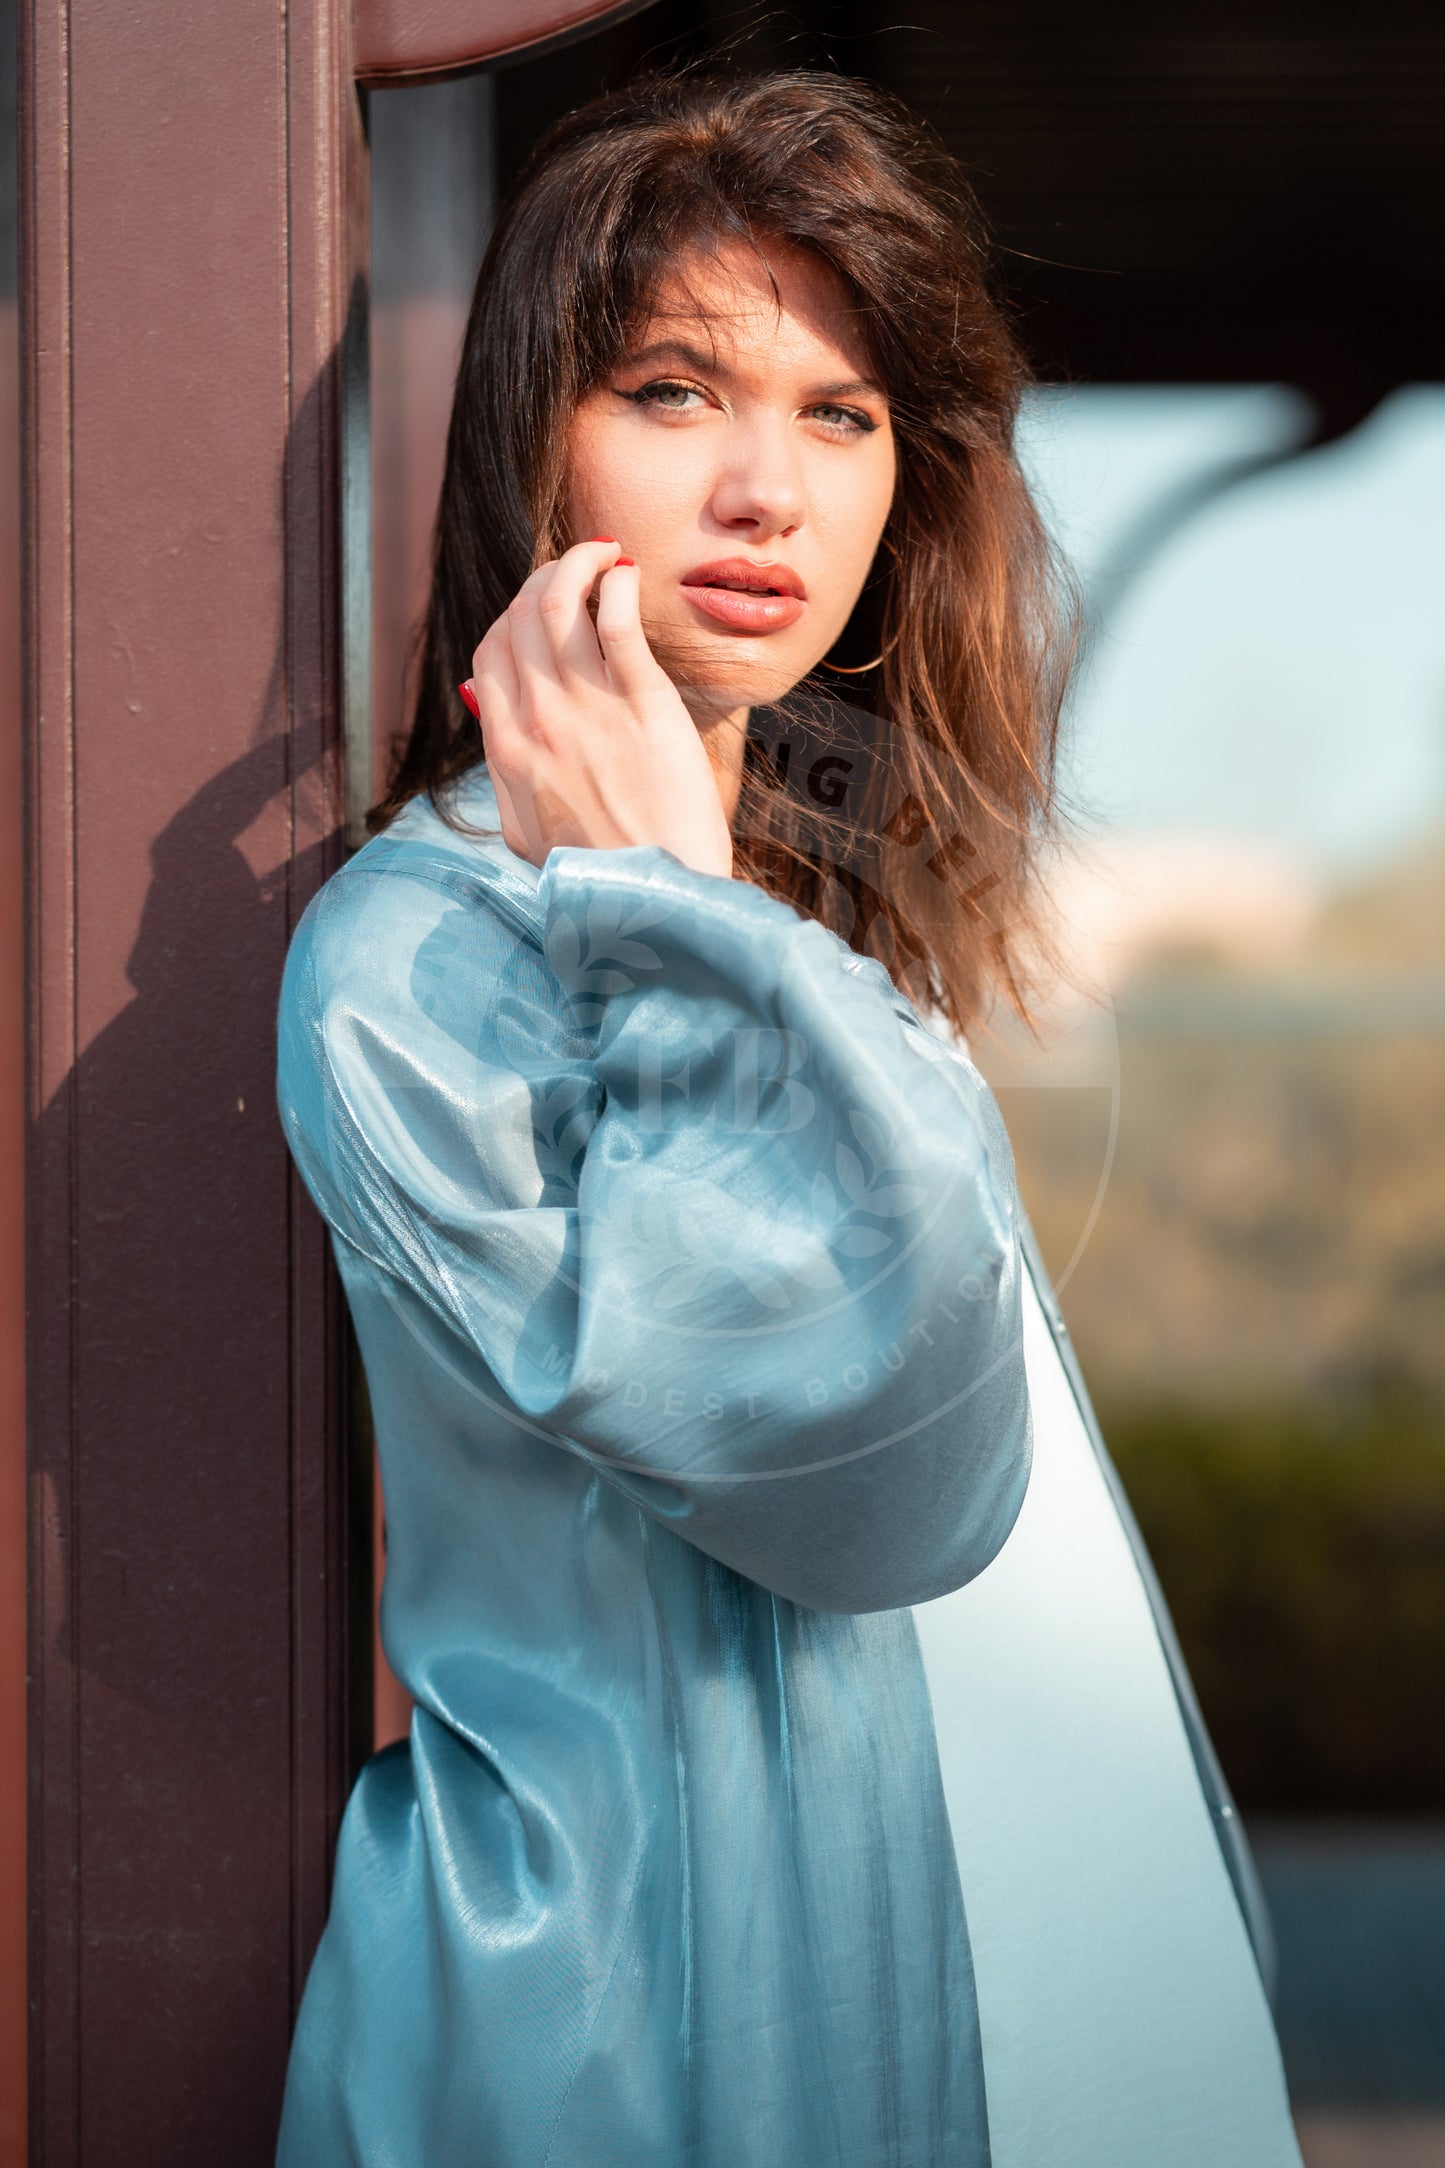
pixel 769 305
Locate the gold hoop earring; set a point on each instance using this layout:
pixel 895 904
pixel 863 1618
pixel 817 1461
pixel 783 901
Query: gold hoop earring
pixel 856 669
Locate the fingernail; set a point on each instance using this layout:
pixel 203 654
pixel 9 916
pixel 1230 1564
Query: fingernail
pixel 604 538
pixel 470 698
pixel 625 561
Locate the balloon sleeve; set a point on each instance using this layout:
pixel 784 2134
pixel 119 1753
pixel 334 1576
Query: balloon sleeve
pixel 690 1191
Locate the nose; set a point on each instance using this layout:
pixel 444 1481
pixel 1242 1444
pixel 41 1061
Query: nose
pixel 758 493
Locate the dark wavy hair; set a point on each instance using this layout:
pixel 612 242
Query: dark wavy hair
pixel 908 818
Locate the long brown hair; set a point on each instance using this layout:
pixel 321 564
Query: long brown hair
pixel 909 817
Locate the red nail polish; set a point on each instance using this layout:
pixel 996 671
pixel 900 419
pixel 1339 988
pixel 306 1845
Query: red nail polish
pixel 470 698
pixel 625 561
pixel 604 538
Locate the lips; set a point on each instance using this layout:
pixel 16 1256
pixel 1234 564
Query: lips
pixel 746 597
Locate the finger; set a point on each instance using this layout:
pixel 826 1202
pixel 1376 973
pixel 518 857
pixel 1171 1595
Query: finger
pixel 505 741
pixel 632 668
pixel 494 660
pixel 552 634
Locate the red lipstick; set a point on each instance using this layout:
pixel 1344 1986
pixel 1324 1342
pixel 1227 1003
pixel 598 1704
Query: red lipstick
pixel 745 596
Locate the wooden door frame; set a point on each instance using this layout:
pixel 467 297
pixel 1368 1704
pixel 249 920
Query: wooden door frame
pixel 193 295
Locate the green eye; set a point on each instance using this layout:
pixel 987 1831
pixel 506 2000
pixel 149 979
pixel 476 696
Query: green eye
pixel 665 392
pixel 848 421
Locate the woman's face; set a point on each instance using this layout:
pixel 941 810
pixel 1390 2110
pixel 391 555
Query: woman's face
pixel 741 454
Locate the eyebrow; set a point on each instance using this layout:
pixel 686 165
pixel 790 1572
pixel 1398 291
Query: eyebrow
pixel 692 357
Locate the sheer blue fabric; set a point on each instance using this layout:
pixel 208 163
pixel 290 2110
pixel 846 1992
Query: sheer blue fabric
pixel 685 1266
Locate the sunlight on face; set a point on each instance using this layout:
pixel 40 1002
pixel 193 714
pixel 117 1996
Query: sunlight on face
pixel 742 455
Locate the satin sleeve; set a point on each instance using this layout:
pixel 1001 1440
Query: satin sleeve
pixel 697 1191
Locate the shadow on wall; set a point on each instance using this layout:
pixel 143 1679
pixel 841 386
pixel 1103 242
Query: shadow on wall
pixel 12 1278
pixel 172 1826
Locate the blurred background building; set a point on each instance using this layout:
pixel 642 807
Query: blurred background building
pixel 1221 227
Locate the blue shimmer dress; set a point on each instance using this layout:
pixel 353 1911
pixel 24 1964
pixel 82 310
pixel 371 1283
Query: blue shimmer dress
pixel 701 1330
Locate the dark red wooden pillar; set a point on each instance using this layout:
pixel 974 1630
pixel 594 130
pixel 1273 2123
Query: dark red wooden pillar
pixel 194 192
pixel 197 659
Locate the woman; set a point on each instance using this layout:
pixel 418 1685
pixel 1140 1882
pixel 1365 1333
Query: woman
pixel 703 1335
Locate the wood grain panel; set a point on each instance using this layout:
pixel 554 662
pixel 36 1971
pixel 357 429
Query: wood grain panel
pixel 194 197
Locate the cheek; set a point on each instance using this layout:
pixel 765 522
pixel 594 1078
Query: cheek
pixel 589 472
pixel 852 512
pixel 635 483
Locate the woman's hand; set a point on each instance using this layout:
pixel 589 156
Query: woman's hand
pixel 586 736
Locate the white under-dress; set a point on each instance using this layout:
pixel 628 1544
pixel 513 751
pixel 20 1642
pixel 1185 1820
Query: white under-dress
pixel 1124 2022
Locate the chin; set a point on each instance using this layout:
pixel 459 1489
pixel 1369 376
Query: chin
pixel 731 673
